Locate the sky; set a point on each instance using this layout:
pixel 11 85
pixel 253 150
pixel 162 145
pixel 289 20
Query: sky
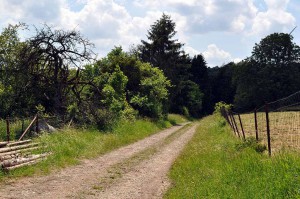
pixel 221 30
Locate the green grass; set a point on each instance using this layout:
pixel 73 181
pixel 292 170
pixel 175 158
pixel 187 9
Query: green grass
pixel 214 165
pixel 71 145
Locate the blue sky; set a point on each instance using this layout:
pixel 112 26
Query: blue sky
pixel 221 30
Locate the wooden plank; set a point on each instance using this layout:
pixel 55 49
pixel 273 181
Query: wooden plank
pixel 31 123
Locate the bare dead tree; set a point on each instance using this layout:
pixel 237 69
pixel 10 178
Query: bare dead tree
pixel 55 58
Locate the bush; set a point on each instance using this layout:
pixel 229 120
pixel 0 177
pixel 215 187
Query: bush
pixel 251 142
pixel 222 105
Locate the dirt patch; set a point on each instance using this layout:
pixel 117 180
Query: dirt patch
pixel 145 178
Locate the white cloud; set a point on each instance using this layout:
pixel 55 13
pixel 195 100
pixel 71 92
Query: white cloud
pixel 191 51
pixel 107 24
pixel 204 16
pixel 30 11
pixel 275 19
pixel 239 24
pixel 215 56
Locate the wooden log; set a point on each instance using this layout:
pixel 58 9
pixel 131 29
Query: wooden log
pixel 3 144
pixel 19 142
pixel 13 148
pixel 10 163
pixel 19 151
pixel 9 157
pixel 22 165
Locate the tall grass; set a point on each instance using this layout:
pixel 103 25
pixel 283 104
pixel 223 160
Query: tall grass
pixel 69 146
pixel 214 165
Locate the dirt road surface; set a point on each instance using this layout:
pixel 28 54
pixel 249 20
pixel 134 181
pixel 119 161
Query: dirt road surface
pixel 138 170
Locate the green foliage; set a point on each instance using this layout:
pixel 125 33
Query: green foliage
pixel 39 70
pixel 221 86
pixel 15 127
pixel 40 108
pixel 222 105
pixel 147 87
pixel 121 87
pixel 153 91
pixel 185 112
pixel 272 72
pixel 104 102
pixel 10 46
pixel 212 167
pixel 190 97
pixel 166 53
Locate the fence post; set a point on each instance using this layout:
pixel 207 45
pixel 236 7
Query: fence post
pixel 256 128
pixel 227 117
pixel 231 123
pixel 7 130
pixel 22 124
pixel 37 123
pixel 268 129
pixel 244 137
pixel 234 122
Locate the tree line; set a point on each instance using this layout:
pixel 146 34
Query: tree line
pixel 56 72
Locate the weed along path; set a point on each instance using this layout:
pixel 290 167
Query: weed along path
pixel 138 170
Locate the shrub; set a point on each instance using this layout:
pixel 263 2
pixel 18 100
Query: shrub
pixel 222 105
pixel 251 142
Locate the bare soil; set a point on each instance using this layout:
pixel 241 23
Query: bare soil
pixel 138 170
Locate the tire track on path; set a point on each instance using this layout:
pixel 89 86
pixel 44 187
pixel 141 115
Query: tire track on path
pixel 149 178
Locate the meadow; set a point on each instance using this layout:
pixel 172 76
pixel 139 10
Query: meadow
pixel 216 164
pixel 284 129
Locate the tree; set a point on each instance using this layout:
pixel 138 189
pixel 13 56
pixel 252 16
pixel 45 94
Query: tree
pixel 272 72
pixel 10 46
pixel 147 87
pixel 166 53
pixel 276 49
pixel 198 71
pixel 121 86
pixel 199 75
pixel 189 98
pixel 162 51
pixel 47 58
pixel 220 86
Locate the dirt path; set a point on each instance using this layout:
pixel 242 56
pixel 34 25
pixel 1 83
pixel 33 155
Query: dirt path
pixel 134 171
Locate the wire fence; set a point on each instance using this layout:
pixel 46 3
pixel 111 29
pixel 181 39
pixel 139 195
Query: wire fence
pixel 20 128
pixel 276 124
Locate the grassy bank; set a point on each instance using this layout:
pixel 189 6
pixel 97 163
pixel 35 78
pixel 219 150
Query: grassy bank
pixel 216 165
pixel 70 145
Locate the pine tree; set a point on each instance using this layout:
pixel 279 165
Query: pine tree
pixel 165 52
pixel 162 50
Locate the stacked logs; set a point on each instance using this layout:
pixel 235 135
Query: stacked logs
pixel 17 154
